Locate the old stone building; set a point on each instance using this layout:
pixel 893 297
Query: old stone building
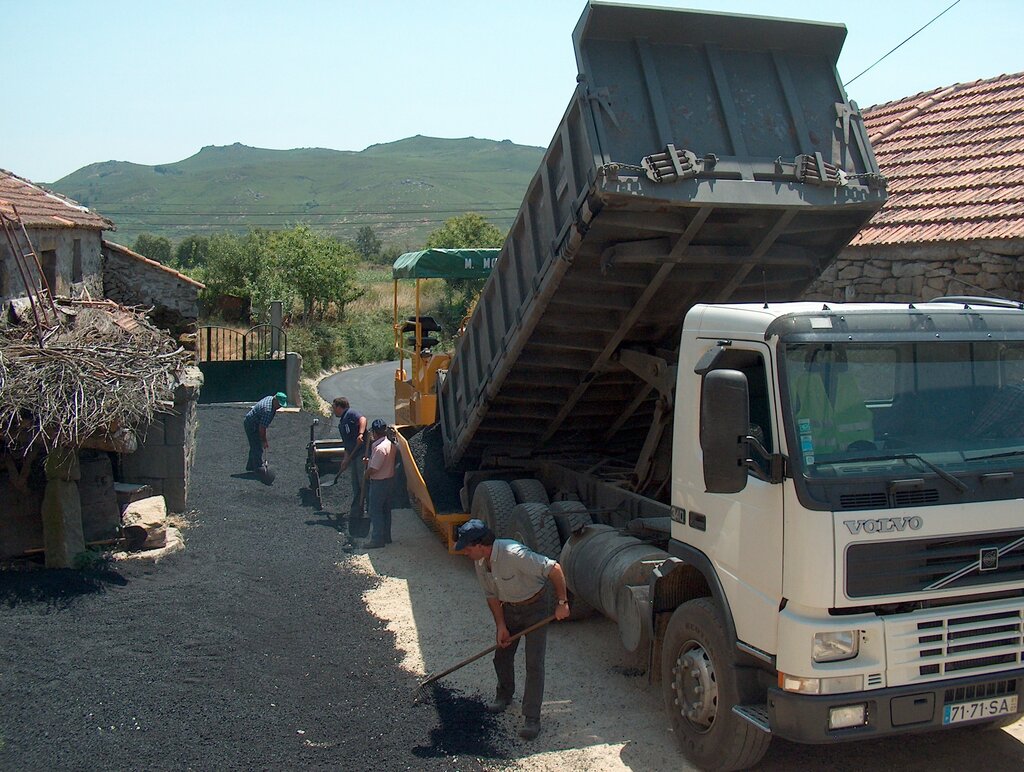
pixel 102 290
pixel 954 221
pixel 66 236
pixel 134 280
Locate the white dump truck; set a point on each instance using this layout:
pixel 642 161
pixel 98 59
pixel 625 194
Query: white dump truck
pixel 808 515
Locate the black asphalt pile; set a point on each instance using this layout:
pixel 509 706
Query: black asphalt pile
pixel 443 485
pixel 251 649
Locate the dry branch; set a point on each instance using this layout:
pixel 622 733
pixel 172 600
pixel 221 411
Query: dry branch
pixel 105 368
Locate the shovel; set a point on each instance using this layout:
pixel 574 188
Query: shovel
pixel 430 679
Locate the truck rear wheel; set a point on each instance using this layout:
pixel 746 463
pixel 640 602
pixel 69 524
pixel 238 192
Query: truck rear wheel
pixel 493 503
pixel 533 526
pixel 699 687
pixel 569 517
pixel 529 489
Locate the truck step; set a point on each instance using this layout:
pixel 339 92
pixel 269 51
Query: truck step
pixel 755 714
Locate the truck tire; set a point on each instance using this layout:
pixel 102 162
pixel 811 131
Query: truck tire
pixel 530 490
pixel 700 687
pixel 533 526
pixel 569 517
pixel 493 503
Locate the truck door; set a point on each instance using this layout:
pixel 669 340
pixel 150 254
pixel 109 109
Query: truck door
pixel 739 533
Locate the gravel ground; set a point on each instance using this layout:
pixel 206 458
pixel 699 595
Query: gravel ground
pixel 252 649
pixel 265 646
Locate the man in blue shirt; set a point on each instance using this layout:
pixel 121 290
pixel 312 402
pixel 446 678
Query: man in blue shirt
pixel 352 425
pixel 256 422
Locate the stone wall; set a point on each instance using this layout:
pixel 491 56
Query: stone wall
pixel 133 282
pixel 923 272
pixel 168 448
pixel 60 242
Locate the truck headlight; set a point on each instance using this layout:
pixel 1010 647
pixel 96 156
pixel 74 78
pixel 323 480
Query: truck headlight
pixel 836 646
pixel 838 685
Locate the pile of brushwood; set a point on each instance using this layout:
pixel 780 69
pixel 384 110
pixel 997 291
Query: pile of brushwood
pixel 100 371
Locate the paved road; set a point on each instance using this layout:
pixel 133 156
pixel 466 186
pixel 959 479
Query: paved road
pixel 368 388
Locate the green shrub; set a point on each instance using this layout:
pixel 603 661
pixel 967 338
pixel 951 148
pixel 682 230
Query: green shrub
pixel 369 337
pixel 310 403
pixel 322 346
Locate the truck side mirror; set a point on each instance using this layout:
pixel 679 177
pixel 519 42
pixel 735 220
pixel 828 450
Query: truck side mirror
pixel 724 425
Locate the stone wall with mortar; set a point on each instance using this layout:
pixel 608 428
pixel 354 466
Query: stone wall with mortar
pixel 168 447
pixel 133 283
pixel 60 242
pixel 923 272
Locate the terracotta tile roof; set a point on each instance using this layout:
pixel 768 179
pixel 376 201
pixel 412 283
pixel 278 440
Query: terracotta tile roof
pixel 152 263
pixel 955 162
pixel 40 208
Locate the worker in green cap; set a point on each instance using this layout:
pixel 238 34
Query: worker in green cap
pixel 256 422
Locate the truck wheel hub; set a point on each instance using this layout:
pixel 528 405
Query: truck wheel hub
pixel 695 686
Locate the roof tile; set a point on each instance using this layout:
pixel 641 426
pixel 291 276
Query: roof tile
pixel 41 208
pixel 954 157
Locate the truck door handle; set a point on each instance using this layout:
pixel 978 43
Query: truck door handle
pixel 698 521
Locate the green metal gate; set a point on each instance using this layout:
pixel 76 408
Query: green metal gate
pixel 241 366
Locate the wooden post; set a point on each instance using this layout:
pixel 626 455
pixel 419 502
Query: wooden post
pixel 62 509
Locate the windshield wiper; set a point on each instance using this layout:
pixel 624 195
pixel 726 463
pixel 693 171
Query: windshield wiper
pixel 956 482
pixel 1005 454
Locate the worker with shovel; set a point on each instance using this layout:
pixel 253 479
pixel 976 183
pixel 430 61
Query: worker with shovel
pixel 352 426
pixel 516 585
pixel 256 423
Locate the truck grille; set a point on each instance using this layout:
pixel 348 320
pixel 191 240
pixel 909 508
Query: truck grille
pixel 925 646
pixel 912 565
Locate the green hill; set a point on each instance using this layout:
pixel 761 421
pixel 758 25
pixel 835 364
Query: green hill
pixel 403 190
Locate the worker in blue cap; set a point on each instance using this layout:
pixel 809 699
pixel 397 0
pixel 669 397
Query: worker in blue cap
pixel 256 422
pixel 521 588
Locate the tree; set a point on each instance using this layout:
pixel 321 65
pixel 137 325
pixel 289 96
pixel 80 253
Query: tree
pixel 367 244
pixel 467 231
pixel 192 252
pixel 317 269
pixel 154 247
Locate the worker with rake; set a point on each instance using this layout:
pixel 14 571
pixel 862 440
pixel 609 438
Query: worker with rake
pixel 519 594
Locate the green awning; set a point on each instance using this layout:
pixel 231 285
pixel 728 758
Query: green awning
pixel 445 264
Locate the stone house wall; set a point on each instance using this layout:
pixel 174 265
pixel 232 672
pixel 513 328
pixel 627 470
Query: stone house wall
pixel 923 272
pixel 72 257
pixel 167 448
pixel 132 282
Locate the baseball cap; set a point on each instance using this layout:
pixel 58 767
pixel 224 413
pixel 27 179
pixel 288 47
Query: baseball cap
pixel 378 425
pixel 282 399
pixel 471 532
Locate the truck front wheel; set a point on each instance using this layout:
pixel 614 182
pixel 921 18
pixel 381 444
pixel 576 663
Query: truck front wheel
pixel 699 686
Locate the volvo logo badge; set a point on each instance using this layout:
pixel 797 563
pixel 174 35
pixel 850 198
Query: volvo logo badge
pixel 988 558
pixel 884 525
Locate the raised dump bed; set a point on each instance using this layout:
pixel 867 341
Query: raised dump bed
pixel 703 158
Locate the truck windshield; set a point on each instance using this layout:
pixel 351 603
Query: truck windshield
pixel 868 409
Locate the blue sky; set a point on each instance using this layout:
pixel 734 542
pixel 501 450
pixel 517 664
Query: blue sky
pixel 152 82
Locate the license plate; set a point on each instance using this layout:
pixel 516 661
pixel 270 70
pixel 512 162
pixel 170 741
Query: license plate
pixel 979 709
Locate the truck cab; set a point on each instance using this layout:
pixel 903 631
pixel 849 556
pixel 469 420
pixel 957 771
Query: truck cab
pixel 877 580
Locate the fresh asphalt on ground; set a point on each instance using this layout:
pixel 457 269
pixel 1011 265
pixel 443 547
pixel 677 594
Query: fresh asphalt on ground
pixel 252 649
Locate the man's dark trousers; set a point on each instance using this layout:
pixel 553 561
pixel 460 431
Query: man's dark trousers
pixel 517 619
pixel 378 505
pixel 356 469
pixel 252 431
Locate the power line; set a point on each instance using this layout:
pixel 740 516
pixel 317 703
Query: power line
pixel 297 213
pixel 851 80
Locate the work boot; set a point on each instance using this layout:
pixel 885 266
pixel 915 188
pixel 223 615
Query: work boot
pixel 531 728
pixel 498 704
